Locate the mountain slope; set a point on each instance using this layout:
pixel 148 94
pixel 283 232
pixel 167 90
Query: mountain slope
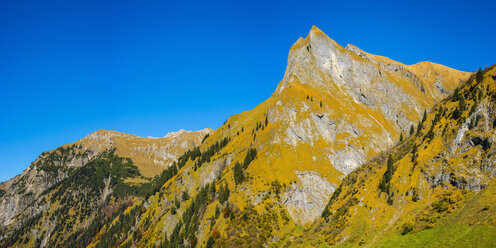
pixel 434 189
pixel 332 111
pixel 79 179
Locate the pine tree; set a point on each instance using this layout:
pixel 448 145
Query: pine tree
pixel 223 193
pixel 177 202
pixel 210 242
pixel 250 156
pixel 461 104
pixel 185 196
pixel 401 137
pixel 384 185
pixel 419 128
pixel 456 114
pixel 212 188
pixel 412 129
pixel 239 175
pixel 217 211
pixel 456 94
pixel 479 76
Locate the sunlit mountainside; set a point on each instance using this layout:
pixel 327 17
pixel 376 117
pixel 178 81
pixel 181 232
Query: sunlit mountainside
pixel 352 149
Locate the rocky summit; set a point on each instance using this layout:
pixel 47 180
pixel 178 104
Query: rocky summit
pixel 352 149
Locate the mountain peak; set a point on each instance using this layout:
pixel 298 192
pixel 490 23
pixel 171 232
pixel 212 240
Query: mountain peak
pixel 182 131
pixel 316 30
pixel 174 134
pixel 103 134
pixel 313 38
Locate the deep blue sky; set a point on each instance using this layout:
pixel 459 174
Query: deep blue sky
pixel 68 68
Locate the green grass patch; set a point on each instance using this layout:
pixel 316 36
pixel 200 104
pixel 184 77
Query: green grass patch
pixel 459 235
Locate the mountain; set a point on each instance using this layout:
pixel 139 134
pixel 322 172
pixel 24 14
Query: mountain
pixel 265 177
pixel 92 169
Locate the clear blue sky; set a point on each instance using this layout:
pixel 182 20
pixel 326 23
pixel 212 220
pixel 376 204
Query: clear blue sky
pixel 68 68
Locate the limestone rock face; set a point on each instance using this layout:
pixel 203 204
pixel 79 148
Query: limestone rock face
pixel 346 105
pixel 307 197
pixel 378 86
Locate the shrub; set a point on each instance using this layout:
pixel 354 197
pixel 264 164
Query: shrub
pixel 407 228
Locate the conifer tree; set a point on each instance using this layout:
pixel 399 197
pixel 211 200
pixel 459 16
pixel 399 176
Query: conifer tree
pixel 456 94
pixel 384 185
pixel 479 76
pixel 223 193
pixel 239 175
pixel 250 156
pixel 461 104
pixel 210 242
pixel 185 196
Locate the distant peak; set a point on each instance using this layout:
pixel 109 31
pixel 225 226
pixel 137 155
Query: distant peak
pixel 206 130
pixel 182 131
pixel 103 134
pixel 174 134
